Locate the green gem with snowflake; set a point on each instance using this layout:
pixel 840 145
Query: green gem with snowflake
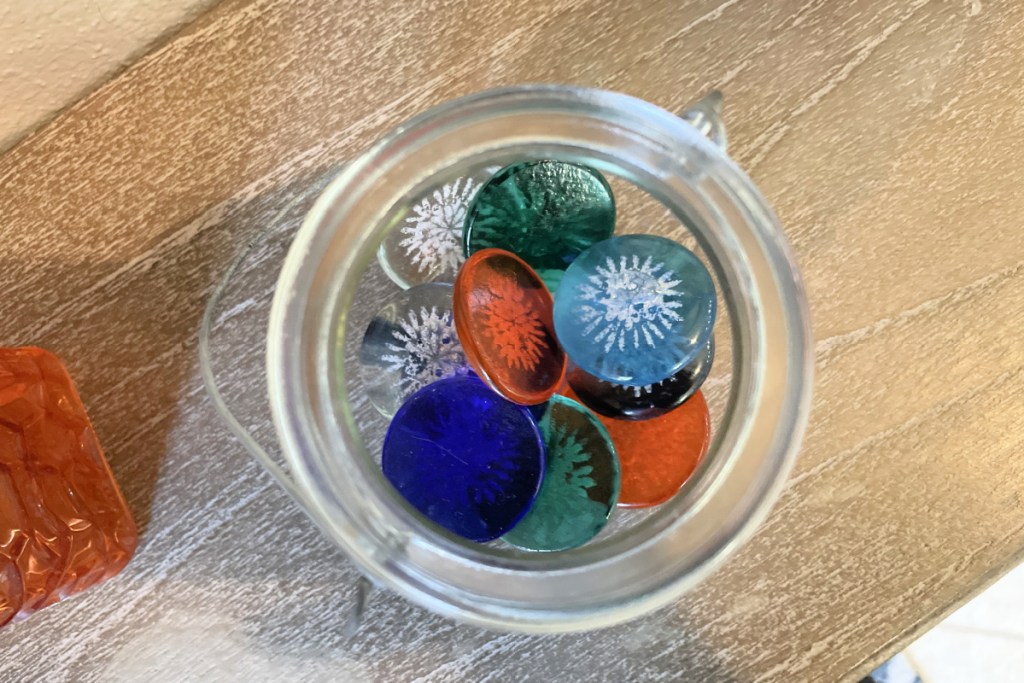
pixel 580 485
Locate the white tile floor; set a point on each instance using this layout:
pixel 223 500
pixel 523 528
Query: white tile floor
pixel 982 642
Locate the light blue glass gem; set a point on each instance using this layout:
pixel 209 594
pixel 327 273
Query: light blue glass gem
pixel 635 309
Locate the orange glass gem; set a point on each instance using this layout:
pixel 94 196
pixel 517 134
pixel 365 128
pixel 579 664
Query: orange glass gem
pixel 657 456
pixel 64 525
pixel 503 319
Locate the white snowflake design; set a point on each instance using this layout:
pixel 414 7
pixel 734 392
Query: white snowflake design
pixel 425 349
pixel 638 391
pixel 629 304
pixel 433 235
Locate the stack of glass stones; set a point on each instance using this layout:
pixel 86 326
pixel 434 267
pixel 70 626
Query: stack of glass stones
pixel 539 370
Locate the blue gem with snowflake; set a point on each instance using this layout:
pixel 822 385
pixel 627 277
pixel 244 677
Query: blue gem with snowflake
pixel 581 480
pixel 464 456
pixel 635 309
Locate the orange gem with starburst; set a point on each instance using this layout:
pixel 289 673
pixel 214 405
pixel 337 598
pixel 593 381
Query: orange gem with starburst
pixel 503 315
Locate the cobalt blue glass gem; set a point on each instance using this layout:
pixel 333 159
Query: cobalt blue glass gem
pixel 635 309
pixel 468 459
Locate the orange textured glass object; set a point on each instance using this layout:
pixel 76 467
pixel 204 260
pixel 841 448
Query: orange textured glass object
pixel 64 524
pixel 503 319
pixel 657 456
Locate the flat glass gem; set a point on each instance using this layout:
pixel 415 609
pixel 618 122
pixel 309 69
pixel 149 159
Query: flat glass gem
pixel 657 456
pixel 426 245
pixel 581 481
pixel 465 457
pixel 409 343
pixel 642 402
pixel 635 309
pixel 503 316
pixel 545 212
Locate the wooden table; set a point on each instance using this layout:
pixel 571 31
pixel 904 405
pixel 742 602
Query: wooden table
pixel 889 135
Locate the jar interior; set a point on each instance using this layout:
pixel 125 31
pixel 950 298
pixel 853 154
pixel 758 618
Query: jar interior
pixel 638 211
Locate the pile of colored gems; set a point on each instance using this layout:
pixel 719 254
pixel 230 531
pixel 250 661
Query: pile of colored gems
pixel 525 415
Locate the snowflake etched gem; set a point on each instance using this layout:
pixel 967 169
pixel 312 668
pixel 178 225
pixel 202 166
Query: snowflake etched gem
pixel 630 304
pixel 409 343
pixel 635 309
pixel 425 349
pixel 432 236
pixel 581 480
pixel 426 245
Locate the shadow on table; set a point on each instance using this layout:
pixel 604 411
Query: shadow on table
pixel 127 331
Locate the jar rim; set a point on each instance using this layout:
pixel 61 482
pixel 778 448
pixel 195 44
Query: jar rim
pixel 754 449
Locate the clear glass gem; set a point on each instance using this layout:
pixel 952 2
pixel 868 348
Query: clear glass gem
pixel 408 344
pixel 426 245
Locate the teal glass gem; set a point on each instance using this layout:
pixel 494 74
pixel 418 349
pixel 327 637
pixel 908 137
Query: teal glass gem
pixel 635 309
pixel 581 481
pixel 544 212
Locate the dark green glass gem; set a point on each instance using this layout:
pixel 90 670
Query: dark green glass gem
pixel 545 212
pixel 581 480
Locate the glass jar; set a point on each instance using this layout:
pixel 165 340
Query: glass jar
pixel 326 292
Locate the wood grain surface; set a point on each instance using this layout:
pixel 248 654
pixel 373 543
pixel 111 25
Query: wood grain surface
pixel 889 135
